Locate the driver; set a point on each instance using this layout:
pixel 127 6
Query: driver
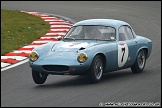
pixel 91 32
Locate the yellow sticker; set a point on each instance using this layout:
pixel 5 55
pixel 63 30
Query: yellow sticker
pixel 66 73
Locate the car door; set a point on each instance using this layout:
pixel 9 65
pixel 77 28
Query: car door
pixel 127 47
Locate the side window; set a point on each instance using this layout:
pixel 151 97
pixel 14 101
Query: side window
pixel 125 33
pixel 129 32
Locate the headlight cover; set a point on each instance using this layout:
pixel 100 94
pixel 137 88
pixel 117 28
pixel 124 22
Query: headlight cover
pixel 33 56
pixel 82 57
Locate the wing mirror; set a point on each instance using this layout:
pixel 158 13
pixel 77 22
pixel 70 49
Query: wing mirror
pixel 59 38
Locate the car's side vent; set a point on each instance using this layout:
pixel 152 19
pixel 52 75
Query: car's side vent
pixel 81 48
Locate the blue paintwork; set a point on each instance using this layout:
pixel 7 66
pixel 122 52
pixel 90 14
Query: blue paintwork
pixel 56 53
pixel 104 22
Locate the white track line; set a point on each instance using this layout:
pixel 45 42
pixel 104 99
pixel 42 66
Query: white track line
pixel 59 23
pixel 41 15
pixel 32 12
pixel 60 30
pixel 41 41
pixel 31 46
pixel 50 37
pixel 19 58
pixel 21 51
pixel 62 33
pixel 4 64
pixel 49 17
pixel 53 26
pixel 14 65
pixel 53 20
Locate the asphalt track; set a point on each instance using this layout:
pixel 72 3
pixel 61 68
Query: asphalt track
pixel 19 90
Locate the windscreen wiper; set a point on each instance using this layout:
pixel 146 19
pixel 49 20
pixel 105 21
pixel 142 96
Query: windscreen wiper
pixel 69 38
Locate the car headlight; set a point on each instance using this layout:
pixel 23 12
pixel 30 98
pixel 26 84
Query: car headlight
pixel 82 57
pixel 33 56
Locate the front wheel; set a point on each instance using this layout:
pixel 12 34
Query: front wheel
pixel 140 62
pixel 96 69
pixel 39 78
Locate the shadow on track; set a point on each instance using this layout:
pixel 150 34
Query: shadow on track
pixel 84 81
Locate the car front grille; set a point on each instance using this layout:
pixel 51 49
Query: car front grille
pixel 55 68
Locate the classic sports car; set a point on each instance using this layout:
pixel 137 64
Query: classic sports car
pixel 91 47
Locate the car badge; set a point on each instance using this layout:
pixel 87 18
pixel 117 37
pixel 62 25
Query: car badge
pixel 60 54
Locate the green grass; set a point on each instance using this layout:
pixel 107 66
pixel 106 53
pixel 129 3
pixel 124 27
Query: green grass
pixel 19 29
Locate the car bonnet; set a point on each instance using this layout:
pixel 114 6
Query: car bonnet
pixel 72 46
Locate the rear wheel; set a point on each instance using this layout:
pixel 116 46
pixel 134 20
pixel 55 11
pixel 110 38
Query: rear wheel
pixel 96 69
pixel 39 78
pixel 140 62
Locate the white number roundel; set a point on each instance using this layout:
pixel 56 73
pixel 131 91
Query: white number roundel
pixel 122 54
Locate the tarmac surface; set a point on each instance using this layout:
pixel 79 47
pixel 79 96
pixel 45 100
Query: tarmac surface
pixel 19 90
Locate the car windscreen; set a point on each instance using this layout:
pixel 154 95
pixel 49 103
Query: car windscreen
pixel 91 32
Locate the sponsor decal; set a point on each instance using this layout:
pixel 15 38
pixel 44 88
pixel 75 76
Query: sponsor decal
pixel 74 45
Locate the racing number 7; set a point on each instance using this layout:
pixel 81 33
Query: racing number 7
pixel 123 50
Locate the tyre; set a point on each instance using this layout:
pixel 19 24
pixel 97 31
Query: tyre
pixel 140 62
pixel 96 70
pixel 39 78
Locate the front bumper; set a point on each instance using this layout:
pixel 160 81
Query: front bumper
pixel 60 63
pixel 60 69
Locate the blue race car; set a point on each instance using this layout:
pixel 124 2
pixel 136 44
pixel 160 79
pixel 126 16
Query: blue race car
pixel 91 47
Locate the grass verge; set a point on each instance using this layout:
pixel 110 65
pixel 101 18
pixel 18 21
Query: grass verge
pixel 19 29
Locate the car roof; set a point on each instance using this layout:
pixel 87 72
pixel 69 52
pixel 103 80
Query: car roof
pixel 104 22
